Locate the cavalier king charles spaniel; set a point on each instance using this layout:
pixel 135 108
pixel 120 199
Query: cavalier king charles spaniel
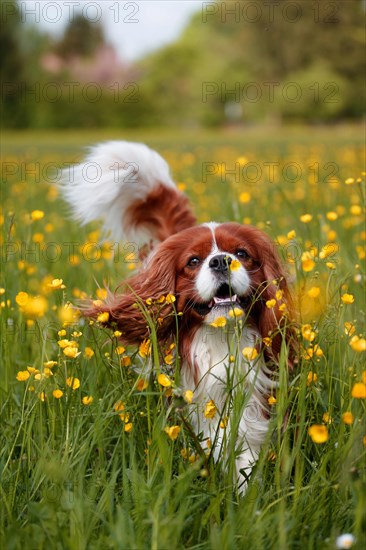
pixel 232 305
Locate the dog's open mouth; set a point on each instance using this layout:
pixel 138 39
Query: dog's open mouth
pixel 223 298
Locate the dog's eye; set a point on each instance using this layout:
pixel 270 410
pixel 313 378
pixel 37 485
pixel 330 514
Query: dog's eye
pixel 241 253
pixel 194 261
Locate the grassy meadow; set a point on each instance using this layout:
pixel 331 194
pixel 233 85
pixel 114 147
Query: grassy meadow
pixel 95 453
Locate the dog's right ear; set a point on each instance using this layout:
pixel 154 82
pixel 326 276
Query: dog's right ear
pixel 140 301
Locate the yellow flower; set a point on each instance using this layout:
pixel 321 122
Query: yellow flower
pixel 128 427
pixel 87 400
pixel 67 314
pixel 73 383
pixel 88 353
pixel 249 353
pixel 311 378
pixel 359 390
pixel 236 312
pixel 272 400
pixel 291 234
pixel 330 265
pixel 42 396
pixel 318 433
pixel 57 394
pixel 67 343
pixel 355 210
pixel 56 284
pixel 313 292
pixel 348 418
pixel 101 293
pixel 22 375
pixel 210 409
pixel 306 218
pixel 224 422
pixel 164 380
pixel 62 333
pixel 168 359
pixel 307 262
pixel 271 303
pixel 71 352
pixel 235 265
pixel 126 361
pixel 219 322
pixel 21 298
pixel 117 333
pixel 120 350
pixel 244 197
pixel 308 333
pixel 327 418
pixel 332 216
pixel 37 215
pixel 188 396
pixel 144 349
pixel 172 431
pixel 358 344
pixel 170 298
pixel 347 298
pixel 267 341
pixel 142 384
pixel 103 317
pixel 149 301
pixel 119 406
pixel 349 181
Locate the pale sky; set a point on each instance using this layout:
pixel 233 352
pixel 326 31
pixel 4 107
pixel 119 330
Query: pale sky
pixel 133 27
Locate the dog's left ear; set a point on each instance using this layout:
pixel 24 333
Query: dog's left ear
pixel 276 305
pixel 139 301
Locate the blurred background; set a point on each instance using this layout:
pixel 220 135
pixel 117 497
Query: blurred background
pixel 187 64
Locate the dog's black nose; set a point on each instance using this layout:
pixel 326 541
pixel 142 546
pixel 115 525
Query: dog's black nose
pixel 220 262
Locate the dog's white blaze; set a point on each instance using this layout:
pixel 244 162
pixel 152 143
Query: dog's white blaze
pixel 207 283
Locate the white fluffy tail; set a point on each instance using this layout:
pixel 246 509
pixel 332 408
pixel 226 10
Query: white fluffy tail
pixel 114 178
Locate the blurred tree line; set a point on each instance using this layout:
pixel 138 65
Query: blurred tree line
pixel 236 62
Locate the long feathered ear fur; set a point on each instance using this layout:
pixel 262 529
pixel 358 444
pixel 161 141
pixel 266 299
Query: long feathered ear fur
pixel 276 321
pixel 135 304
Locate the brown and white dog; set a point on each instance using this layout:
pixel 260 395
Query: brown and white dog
pixel 129 187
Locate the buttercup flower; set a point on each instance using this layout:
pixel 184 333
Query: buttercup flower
pixel 249 353
pixel 87 400
pixel 37 215
pixel 164 380
pixel 347 298
pixel 188 396
pixel 210 409
pixel 56 284
pixel 311 378
pixel 348 418
pixel 318 433
pixel 236 312
pixel 57 394
pixel 103 317
pixel 308 333
pixel 219 322
pixel 88 352
pixel 144 349
pixel 73 383
pixel 359 390
pixel 358 344
pixel 22 375
pixel 306 218
pixel 313 292
pixel 172 432
pixel 235 265
pixel 271 303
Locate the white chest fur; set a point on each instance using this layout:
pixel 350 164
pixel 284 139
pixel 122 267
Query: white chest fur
pixel 238 389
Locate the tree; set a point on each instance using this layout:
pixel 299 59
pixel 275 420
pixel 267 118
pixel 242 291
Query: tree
pixel 81 38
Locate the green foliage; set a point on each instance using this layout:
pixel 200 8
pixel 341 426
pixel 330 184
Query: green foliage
pixel 81 38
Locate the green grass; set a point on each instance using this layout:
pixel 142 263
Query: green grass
pixel 71 475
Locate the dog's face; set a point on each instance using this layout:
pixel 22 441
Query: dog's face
pixel 217 267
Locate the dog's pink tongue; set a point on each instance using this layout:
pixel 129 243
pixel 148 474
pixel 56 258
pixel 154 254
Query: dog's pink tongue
pixel 218 300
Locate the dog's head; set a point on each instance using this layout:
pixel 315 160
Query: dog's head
pixel 214 270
